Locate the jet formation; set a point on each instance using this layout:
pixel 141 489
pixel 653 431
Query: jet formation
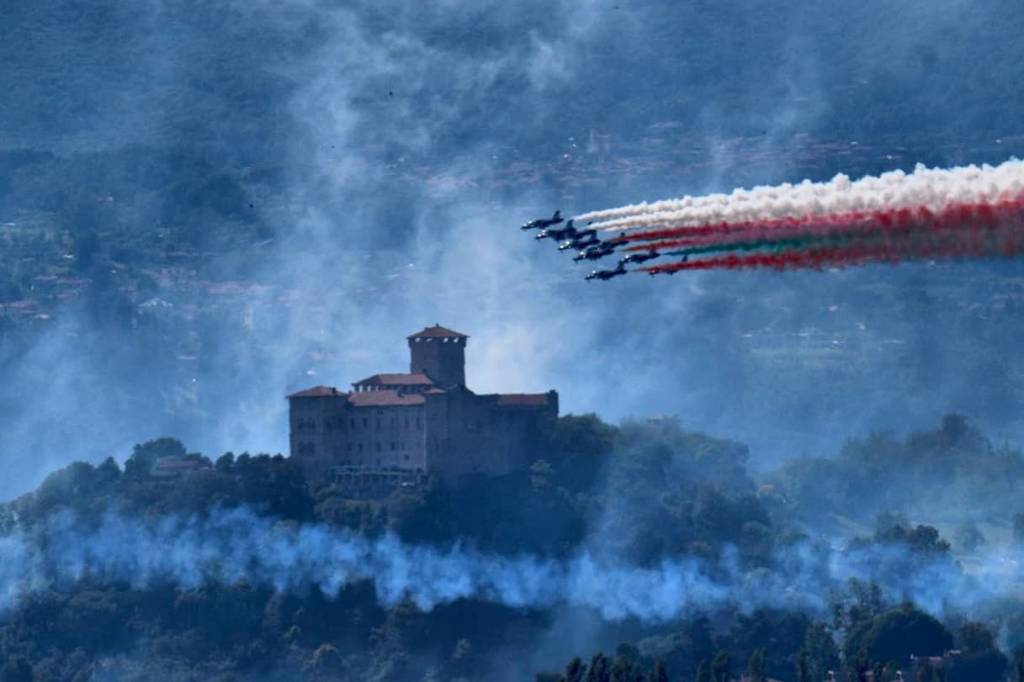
pixel 586 245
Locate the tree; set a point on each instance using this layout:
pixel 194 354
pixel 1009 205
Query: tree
pixel 599 669
pixel 703 674
pixel 803 673
pixel 225 462
pixel 145 455
pixel 975 637
pixel 16 670
pixel 721 667
pixel 755 667
pixel 575 671
pixel 898 634
pixel 819 651
pixel 658 673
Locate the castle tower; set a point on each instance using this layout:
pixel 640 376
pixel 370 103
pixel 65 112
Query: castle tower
pixel 440 354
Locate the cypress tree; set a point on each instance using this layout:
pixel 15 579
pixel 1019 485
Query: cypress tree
pixel 575 671
pixel 721 667
pixel 755 667
pixel 599 669
pixel 658 673
pixel 803 673
pixel 702 672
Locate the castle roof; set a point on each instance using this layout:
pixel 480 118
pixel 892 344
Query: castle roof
pixel 385 398
pixel 417 379
pixel 317 392
pixel 524 399
pixel 437 332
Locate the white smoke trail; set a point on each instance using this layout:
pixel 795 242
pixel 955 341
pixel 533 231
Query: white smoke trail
pixel 229 547
pixel 933 188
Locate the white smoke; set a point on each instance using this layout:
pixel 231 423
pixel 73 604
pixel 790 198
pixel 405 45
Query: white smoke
pixel 231 547
pixel 933 188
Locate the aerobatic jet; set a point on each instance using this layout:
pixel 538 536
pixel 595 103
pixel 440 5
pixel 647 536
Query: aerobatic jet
pixel 567 232
pixel 544 222
pixel 607 274
pixel 639 257
pixel 580 241
pixel 595 252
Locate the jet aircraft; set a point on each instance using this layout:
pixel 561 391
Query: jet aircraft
pixel 580 242
pixel 544 222
pixel 607 274
pixel 639 257
pixel 595 252
pixel 567 232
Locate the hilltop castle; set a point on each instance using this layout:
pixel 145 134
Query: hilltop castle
pixel 425 422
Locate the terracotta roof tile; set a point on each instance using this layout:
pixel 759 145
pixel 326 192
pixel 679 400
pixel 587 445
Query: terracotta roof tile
pixel 317 392
pixel 418 379
pixel 437 332
pixel 386 398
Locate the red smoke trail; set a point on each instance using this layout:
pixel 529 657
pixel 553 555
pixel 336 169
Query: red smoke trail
pixel 882 248
pixel 905 220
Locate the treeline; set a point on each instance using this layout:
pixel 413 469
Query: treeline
pixel 696 488
pixel 639 493
pixel 881 645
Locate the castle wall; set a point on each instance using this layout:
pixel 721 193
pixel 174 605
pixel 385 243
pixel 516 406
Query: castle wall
pixel 308 438
pixel 406 423
pixel 328 432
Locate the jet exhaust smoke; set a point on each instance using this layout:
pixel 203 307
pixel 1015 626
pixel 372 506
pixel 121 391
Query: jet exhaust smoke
pixel 969 212
pixel 932 188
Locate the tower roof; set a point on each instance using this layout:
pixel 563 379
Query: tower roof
pixel 317 392
pixel 417 379
pixel 437 332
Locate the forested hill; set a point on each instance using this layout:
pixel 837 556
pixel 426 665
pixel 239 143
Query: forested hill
pixel 640 494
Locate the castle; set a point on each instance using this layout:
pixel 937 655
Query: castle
pixel 426 422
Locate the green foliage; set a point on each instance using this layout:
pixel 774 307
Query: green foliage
pixel 756 666
pixel 874 474
pixel 898 634
pixel 575 670
pixel 819 653
pixel 721 667
pixel 145 455
pixel 703 673
pixel 659 673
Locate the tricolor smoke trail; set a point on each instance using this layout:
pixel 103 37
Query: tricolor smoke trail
pixel 935 189
pixel 969 212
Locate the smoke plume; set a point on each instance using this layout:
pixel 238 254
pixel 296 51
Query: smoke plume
pixel 238 546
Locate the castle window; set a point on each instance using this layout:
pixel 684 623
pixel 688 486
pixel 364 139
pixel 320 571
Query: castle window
pixel 352 424
pixel 378 424
pixel 307 449
pixel 360 447
pixel 378 447
pixel 366 423
pixel 393 446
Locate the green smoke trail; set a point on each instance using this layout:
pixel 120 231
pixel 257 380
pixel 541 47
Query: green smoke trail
pixel 771 245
